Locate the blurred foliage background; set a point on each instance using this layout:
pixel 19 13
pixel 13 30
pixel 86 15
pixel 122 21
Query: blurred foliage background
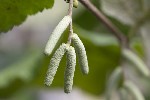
pixel 23 64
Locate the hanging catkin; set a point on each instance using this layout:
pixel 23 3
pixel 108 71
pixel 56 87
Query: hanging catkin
pixel 134 59
pixel 55 35
pixel 133 90
pixel 113 82
pixel 81 53
pixel 54 63
pixel 70 68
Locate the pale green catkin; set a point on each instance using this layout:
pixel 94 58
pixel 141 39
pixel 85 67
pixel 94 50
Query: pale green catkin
pixel 80 50
pixel 139 64
pixel 113 82
pixel 70 68
pixel 54 63
pixel 133 90
pixel 55 35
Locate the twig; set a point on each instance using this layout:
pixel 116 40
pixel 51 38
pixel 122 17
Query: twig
pixel 70 8
pixel 123 40
pixel 70 25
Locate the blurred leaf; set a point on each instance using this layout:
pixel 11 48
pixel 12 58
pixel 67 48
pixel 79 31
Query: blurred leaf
pixel 22 69
pixel 26 94
pixel 126 11
pixel 99 39
pixel 14 12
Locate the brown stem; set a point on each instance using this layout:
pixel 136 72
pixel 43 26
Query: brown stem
pixel 123 40
pixel 70 33
pixel 70 25
pixel 70 8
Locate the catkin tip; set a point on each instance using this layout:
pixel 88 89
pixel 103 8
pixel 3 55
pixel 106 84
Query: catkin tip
pixel 47 84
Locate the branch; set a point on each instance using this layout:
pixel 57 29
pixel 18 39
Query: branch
pixel 123 40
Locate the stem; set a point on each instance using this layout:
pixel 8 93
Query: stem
pixel 123 40
pixel 70 25
pixel 70 33
pixel 70 8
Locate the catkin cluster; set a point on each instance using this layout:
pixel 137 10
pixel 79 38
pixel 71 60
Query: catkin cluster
pixel 129 90
pixel 70 55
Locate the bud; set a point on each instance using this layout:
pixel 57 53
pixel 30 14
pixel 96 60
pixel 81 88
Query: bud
pixel 75 3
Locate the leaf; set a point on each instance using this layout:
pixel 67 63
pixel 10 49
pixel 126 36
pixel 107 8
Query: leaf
pixel 99 39
pixel 14 12
pixel 126 11
pixel 21 69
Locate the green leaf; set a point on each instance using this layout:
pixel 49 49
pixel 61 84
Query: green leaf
pixel 14 12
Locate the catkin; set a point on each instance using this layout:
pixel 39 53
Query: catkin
pixel 133 90
pixel 55 35
pixel 139 64
pixel 70 68
pixel 54 63
pixel 79 47
pixel 113 82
